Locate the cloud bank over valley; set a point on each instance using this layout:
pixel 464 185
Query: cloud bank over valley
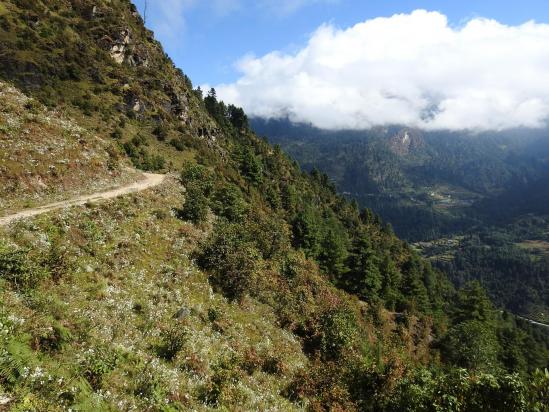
pixel 414 69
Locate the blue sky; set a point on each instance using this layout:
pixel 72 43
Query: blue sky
pixel 206 37
pixel 459 64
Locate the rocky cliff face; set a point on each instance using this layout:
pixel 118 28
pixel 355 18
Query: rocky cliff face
pixel 96 54
pixel 406 141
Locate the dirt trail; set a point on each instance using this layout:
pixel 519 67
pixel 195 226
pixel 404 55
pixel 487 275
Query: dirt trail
pixel 533 322
pixel 150 180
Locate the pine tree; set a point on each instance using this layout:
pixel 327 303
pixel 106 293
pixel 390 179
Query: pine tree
pixel 471 341
pixel 364 276
pixel 251 166
pixel 413 288
pixel 237 117
pixel 307 233
pixel 472 303
pixel 391 282
pixel 333 254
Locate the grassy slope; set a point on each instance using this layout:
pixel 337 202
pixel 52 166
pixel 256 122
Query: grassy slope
pixel 45 156
pixel 117 296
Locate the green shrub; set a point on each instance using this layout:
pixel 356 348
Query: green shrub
pixel 160 214
pixel 152 163
pixel 473 345
pixel 57 260
pixel 150 387
pixel 85 104
pixel 196 204
pixel 161 132
pixel 215 314
pixel 231 260
pixel 538 390
pixel 221 388
pixel 18 270
pixel 198 182
pixel 273 365
pixel 178 144
pixel 199 177
pixel 116 134
pixel 172 341
pixel 229 203
pixel 140 157
pixel 338 332
pixel 237 273
pixel 53 338
pixel 269 233
pixel 97 363
pixel 139 140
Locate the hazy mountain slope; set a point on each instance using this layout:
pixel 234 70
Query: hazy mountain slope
pixel 242 283
pixel 427 184
pixel 397 158
pixel 463 196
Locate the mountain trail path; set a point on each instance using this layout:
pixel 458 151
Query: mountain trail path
pixel 149 180
pixel 533 322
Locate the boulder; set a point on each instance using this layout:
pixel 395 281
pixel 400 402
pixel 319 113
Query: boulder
pixel 182 313
pixel 119 46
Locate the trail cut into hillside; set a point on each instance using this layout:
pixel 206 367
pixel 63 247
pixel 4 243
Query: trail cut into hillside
pixel 150 180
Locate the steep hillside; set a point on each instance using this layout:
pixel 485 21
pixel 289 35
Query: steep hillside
pixel 242 283
pixel 109 322
pixel 395 158
pixel 475 204
pixel 44 156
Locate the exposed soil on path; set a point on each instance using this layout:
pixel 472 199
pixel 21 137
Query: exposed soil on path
pixel 149 180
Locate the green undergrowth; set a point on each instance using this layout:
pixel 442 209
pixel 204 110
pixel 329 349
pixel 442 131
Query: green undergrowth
pixel 104 320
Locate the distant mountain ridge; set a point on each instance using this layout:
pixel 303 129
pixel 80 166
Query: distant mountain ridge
pixel 393 159
pixel 407 141
pixel 477 204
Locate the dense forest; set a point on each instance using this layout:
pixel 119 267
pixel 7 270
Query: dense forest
pixel 266 246
pixel 476 204
pixel 512 266
pixel 427 184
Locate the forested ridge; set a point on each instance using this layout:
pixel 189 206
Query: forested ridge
pixel 475 203
pixel 242 240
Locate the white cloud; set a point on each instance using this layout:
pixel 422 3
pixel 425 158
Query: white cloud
pixel 412 69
